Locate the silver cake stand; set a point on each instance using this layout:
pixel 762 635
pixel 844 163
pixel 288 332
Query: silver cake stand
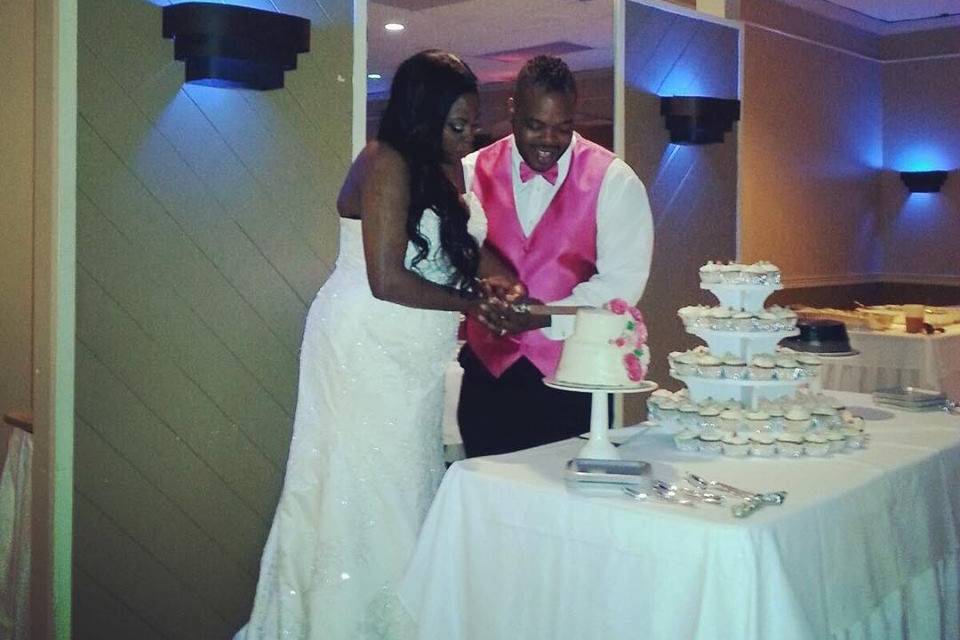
pixel 598 446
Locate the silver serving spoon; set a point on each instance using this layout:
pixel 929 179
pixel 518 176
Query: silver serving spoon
pixel 773 497
pixel 636 494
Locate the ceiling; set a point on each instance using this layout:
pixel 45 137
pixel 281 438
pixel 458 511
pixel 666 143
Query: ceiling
pixel 496 36
pixel 901 10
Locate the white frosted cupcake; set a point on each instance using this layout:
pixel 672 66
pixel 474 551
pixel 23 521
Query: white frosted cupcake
pixel 687 440
pixel 790 444
pixel 758 421
pixel 710 273
pixel 686 364
pixel 730 273
pixel 836 441
pixel 688 415
pixel 810 364
pixel 787 368
pixel 796 420
pixel 763 445
pixel 711 442
pixel 721 319
pixel 762 367
pixel 753 274
pixel 667 414
pixel 815 444
pixel 825 418
pixel 709 418
pixel 771 272
pixel 731 420
pixel 855 438
pixel 767 321
pixel 735 446
pixel 743 321
pixel 710 367
pixel 777 419
pixel 788 318
pixel 734 367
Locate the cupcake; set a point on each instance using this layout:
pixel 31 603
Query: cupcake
pixel 686 364
pixel 688 413
pixel 687 440
pixel 762 367
pixel 788 319
pixel 777 419
pixel 731 420
pixel 753 274
pixel 763 445
pixel 796 420
pixel 730 273
pixel 810 365
pixel 771 272
pixel 836 441
pixel 758 421
pixel 825 418
pixel 742 321
pixel 720 319
pixel 767 321
pixel 709 367
pixel 709 418
pixel 787 368
pixel 855 438
pixel 790 444
pixel 710 442
pixel 735 446
pixel 692 316
pixel 710 273
pixel 815 444
pixel 734 367
pixel 667 414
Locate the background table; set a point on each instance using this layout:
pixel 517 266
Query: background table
pixel 894 357
pixel 866 546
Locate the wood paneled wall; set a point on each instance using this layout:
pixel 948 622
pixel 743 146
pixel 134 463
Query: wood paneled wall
pixel 206 223
pixel 692 189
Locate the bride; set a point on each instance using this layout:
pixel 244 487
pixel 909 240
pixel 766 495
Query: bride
pixel 366 454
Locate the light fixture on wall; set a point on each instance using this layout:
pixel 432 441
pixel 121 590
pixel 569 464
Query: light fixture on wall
pixel 228 46
pixel 698 119
pixel 923 181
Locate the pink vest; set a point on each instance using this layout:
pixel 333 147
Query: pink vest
pixel 559 254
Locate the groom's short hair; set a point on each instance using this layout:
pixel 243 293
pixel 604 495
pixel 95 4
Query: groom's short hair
pixel 548 73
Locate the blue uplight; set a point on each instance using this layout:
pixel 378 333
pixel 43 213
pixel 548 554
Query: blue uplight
pixel 920 157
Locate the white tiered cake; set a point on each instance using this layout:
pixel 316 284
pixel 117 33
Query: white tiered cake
pixel 607 349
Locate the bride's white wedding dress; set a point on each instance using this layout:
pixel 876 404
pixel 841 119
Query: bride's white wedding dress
pixel 366 455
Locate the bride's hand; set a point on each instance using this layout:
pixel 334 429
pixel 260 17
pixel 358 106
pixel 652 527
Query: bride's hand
pixel 502 288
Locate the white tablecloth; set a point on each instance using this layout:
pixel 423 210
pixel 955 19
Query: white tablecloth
pixel 894 357
pixel 15 536
pixel 866 546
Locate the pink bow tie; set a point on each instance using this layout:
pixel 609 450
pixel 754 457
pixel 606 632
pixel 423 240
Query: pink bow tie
pixel 527 174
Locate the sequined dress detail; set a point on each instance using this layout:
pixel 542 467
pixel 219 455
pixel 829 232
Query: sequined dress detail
pixel 366 456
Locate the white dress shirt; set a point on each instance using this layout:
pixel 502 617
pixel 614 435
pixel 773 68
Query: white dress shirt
pixel 624 232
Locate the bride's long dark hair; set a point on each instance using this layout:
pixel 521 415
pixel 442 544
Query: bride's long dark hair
pixel 424 88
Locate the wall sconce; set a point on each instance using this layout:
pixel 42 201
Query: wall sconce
pixel 923 181
pixel 229 46
pixel 697 119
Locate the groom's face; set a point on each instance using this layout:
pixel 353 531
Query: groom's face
pixel 542 125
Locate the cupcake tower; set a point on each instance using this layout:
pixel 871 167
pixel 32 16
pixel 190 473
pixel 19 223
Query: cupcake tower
pixel 743 362
pixel 804 424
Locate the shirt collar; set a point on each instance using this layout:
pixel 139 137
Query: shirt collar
pixel 563 164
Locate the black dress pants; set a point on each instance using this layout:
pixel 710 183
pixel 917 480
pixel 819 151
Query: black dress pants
pixel 515 411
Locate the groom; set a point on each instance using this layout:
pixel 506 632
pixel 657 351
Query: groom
pixel 574 222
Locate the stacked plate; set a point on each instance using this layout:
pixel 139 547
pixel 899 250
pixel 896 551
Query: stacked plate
pixel 911 398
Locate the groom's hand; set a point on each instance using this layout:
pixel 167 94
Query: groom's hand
pixel 510 321
pixel 503 288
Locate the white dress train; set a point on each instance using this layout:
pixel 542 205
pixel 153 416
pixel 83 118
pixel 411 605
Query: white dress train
pixel 366 455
